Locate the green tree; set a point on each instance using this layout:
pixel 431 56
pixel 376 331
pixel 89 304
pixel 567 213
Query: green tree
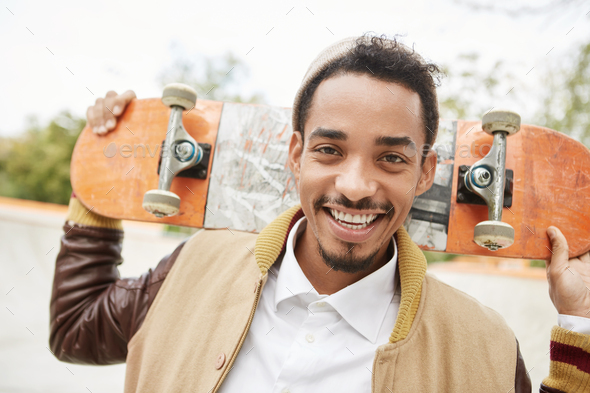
pixel 215 78
pixel 36 164
pixel 565 83
pixel 472 87
pixel 566 106
pixel 469 90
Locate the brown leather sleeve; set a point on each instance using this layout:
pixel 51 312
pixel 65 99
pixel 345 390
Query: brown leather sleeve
pixel 93 312
pixel 522 381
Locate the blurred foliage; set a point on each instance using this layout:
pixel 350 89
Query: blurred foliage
pixel 566 107
pixel 432 256
pixel 515 8
pixel 175 229
pixel 537 263
pixel 36 164
pixel 216 78
pixel 564 92
pixel 565 83
pixel 468 79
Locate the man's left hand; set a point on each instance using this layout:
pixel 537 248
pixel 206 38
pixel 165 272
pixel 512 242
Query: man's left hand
pixel 569 279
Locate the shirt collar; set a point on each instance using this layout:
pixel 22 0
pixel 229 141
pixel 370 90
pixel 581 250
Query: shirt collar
pixel 291 280
pixel 362 304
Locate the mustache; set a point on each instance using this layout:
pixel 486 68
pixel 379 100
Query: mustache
pixel 363 204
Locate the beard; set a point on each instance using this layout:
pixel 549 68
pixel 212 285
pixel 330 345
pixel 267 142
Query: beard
pixel 349 262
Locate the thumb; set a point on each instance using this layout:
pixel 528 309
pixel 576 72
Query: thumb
pixel 559 247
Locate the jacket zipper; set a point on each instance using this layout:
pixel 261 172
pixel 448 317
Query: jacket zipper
pixel 242 339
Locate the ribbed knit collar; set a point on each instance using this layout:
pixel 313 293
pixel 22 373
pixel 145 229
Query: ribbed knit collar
pixel 411 265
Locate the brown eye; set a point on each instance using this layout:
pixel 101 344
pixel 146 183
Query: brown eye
pixel 327 150
pixel 392 158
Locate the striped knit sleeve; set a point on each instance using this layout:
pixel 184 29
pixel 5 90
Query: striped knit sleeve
pixel 569 370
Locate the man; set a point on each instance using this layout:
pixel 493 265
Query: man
pixel 335 296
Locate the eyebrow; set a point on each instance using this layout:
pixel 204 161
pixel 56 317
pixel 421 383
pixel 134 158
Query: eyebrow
pixel 389 141
pixel 328 133
pixel 392 141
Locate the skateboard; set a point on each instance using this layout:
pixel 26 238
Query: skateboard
pixel 207 164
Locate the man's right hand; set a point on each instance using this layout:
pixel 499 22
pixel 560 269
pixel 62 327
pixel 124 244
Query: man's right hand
pixel 102 116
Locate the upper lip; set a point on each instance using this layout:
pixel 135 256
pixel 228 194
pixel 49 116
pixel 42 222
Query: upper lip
pixel 352 211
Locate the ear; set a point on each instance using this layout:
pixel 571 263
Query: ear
pixel 295 151
pixel 427 174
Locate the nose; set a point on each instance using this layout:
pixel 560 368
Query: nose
pixel 355 181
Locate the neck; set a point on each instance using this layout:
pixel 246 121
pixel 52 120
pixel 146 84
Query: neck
pixel 325 280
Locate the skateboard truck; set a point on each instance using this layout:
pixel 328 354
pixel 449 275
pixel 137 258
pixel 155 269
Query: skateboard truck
pixel 487 178
pixel 179 151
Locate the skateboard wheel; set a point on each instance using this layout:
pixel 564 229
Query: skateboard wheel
pixel 180 95
pixel 161 203
pixel 501 120
pixel 493 235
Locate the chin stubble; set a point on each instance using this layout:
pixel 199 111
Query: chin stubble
pixel 347 263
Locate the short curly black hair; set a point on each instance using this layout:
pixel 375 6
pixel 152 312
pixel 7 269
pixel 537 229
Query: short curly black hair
pixel 388 60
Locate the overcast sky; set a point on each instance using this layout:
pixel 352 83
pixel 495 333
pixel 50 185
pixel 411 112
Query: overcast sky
pixel 63 54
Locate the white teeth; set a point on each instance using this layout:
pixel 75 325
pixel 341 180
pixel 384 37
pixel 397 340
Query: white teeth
pixel 358 221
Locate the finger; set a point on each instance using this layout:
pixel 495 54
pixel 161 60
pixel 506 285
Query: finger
pixel 560 250
pixel 99 116
pixel 109 117
pixel 90 122
pixel 122 100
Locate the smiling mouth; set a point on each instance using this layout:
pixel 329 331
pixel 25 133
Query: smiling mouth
pixel 355 222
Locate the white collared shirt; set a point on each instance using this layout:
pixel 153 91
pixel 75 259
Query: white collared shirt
pixel 301 341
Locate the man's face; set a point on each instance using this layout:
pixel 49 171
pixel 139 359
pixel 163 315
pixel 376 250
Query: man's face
pixel 359 167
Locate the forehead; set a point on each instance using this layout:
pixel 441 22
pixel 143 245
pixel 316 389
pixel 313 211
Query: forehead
pixel 360 105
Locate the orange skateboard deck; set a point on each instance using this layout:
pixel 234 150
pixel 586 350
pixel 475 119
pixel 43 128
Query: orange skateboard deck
pixel 247 182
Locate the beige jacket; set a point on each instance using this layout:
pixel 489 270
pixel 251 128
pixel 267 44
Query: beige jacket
pixel 443 340
pixel 181 325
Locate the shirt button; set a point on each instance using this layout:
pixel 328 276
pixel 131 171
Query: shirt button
pixel 310 338
pixel 220 361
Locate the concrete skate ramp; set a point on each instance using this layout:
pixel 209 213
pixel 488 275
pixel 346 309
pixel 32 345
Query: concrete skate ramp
pixel 29 242
pixel 30 235
pixel 519 294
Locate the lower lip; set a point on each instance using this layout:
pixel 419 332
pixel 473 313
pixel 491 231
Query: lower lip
pixel 352 235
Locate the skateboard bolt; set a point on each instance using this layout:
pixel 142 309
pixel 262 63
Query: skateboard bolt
pixel 185 151
pixel 482 176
